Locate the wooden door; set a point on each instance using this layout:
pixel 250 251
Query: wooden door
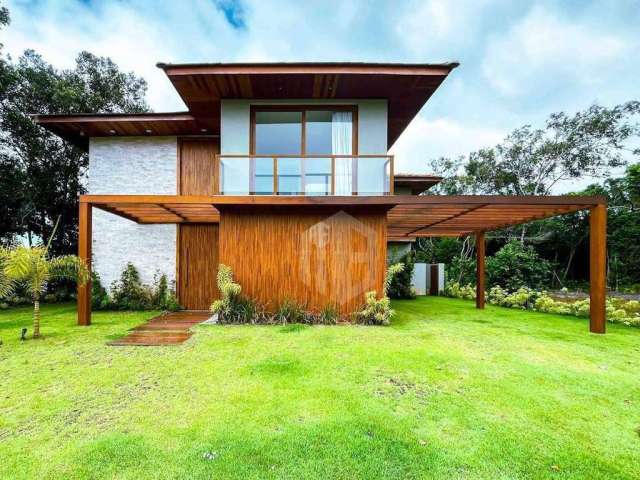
pixel 197 243
pixel 198 172
pixel 435 279
pixel 198 261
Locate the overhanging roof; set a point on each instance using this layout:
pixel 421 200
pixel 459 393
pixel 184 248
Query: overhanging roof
pixel 77 129
pixel 408 216
pixel 417 183
pixel 406 86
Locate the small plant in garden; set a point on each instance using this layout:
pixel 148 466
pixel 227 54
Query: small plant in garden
pixel 329 315
pixel 378 311
pixel 375 312
pixel 290 312
pixel 34 269
pixel 231 307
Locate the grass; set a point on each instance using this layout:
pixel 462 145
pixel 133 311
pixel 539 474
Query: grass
pixel 445 392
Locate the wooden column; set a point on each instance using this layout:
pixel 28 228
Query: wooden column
pixel 597 267
pixel 84 252
pixel 480 254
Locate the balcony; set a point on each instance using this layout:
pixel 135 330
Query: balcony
pixel 313 175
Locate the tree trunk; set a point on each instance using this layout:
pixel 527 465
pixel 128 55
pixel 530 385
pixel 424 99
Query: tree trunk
pixel 36 318
pixel 572 253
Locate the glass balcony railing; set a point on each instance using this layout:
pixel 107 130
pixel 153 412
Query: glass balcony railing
pixel 315 175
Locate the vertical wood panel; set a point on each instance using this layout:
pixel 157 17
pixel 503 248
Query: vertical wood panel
pixel 597 268
pixel 84 252
pixel 198 265
pixel 198 169
pixel 318 258
pixel 197 244
pixel 480 276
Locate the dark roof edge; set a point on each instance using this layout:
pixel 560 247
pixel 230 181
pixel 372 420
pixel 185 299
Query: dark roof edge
pixel 88 117
pixel 166 65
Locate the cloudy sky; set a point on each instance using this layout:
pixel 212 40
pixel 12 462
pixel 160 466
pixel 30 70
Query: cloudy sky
pixel 520 60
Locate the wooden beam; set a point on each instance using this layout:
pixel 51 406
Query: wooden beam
pixel 84 252
pixel 480 254
pixel 451 217
pixel 389 200
pixel 597 268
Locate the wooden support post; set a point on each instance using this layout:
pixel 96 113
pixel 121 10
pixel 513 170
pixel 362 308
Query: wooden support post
pixel 597 267
pixel 480 254
pixel 84 252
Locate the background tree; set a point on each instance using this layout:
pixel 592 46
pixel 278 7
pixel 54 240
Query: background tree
pixel 589 144
pixel 40 175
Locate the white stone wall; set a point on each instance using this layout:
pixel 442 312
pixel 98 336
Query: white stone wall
pixel 132 165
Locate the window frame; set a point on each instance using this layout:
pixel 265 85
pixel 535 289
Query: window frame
pixel 303 109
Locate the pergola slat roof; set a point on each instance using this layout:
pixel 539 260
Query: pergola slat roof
pixel 408 216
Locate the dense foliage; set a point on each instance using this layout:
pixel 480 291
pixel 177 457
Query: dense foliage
pixel 41 175
pixel 589 144
pixel 235 308
pixel 129 293
pixel 400 286
pixel 515 265
pixel 618 310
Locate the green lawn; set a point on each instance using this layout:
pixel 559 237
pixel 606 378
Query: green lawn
pixel 445 392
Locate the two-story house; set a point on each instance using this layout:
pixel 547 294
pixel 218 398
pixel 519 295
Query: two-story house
pixel 282 172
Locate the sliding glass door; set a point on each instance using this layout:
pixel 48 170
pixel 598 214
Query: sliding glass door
pixel 295 135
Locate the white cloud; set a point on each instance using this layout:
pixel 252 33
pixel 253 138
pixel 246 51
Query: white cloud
pixel 543 52
pixel 134 36
pixel 437 26
pixel 426 139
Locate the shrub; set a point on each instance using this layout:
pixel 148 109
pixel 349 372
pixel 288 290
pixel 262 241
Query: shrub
pixel 455 290
pixel 232 307
pixel 516 265
pixel 463 269
pixel 400 285
pixel 329 315
pixel 618 310
pixel 378 311
pixel 100 299
pixel 129 293
pixel 163 296
pixel 374 311
pixel 290 312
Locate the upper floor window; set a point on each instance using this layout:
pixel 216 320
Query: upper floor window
pixel 284 130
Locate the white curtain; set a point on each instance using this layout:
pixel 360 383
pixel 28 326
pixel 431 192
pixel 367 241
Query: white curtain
pixel 341 140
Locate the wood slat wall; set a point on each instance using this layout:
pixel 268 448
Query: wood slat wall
pixel 198 260
pixel 197 244
pixel 198 172
pixel 326 256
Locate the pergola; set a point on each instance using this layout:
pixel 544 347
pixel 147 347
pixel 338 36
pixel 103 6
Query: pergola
pixel 408 217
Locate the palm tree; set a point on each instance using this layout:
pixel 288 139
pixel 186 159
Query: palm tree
pixel 32 267
pixel 6 284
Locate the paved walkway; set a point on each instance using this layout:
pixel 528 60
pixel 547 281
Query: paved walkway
pixel 168 329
